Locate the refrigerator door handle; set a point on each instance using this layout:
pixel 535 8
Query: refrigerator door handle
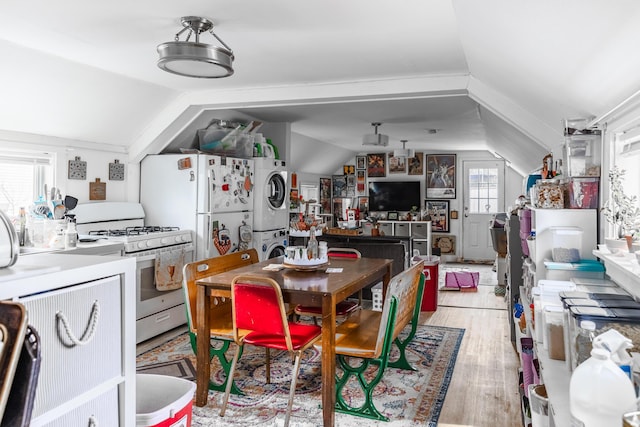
pixel 207 234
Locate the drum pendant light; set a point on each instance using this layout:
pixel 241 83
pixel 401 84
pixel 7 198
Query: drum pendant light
pixel 193 58
pixel 404 152
pixel 375 138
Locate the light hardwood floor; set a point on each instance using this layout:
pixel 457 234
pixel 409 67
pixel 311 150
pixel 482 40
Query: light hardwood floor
pixel 484 387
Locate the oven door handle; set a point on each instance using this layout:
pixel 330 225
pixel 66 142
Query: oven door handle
pixel 152 257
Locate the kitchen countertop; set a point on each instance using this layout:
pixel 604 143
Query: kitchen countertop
pixel 99 247
pixel 46 271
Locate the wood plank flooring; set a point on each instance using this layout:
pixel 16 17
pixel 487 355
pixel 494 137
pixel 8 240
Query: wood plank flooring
pixel 484 387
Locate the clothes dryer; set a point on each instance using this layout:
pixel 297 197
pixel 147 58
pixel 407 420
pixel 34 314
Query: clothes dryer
pixel 271 198
pixel 270 244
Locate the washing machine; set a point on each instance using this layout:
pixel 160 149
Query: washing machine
pixel 270 244
pixel 271 198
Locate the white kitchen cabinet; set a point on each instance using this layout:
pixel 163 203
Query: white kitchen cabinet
pixel 83 308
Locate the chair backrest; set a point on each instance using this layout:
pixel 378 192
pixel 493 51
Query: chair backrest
pixel 258 306
pixel 196 270
pixel 343 253
pixel 403 288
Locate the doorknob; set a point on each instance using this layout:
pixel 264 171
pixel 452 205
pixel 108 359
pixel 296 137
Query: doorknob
pixel 466 211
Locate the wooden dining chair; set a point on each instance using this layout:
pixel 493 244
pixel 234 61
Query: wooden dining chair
pixel 260 319
pixel 343 308
pixel 220 321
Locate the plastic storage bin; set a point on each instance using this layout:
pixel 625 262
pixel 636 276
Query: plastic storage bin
pixel 625 321
pixel 163 401
pixel 585 268
pixel 582 193
pixel 567 244
pixel 548 195
pixel 430 270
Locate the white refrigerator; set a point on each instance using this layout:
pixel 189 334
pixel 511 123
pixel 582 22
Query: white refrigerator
pixel 210 195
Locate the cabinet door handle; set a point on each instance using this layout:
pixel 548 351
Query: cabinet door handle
pixel 89 331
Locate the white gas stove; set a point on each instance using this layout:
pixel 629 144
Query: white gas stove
pixel 145 238
pixel 160 252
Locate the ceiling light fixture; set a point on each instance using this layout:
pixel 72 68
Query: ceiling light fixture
pixel 195 59
pixel 404 152
pixel 376 138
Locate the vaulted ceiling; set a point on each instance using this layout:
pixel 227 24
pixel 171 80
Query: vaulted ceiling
pixel 496 75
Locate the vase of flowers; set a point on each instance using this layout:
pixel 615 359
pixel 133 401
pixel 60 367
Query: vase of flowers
pixel 621 210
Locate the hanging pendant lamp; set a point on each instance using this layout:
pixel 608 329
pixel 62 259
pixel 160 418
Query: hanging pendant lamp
pixel 193 58
pixel 375 138
pixel 404 152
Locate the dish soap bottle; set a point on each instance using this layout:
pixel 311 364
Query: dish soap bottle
pixel 600 392
pixel 71 235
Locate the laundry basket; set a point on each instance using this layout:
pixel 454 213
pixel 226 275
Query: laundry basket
pixel 163 401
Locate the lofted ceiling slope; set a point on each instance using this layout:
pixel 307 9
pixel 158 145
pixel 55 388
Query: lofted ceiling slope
pixel 496 75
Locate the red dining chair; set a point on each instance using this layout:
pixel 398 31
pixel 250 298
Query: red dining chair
pixel 343 308
pixel 260 319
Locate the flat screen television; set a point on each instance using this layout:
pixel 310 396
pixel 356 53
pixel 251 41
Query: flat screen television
pixel 394 195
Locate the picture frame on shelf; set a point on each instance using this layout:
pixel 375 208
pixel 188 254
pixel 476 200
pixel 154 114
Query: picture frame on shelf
pixel 439 212
pixel 392 216
pixel 361 162
pixel 446 243
pixel 415 164
pixel 397 164
pixel 441 176
pixel 376 165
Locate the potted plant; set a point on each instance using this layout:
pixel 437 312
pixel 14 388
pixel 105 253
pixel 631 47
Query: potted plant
pixel 621 210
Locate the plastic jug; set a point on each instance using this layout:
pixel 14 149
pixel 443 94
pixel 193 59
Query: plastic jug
pixel 600 392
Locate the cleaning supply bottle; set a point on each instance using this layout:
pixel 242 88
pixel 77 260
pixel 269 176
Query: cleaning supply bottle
pixel 600 392
pixel 71 235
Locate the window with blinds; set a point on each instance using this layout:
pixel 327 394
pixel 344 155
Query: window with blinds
pixel 22 179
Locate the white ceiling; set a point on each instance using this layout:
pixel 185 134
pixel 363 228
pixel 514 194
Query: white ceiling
pixel 493 74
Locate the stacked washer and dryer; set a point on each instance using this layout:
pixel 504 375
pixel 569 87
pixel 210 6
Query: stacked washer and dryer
pixel 271 207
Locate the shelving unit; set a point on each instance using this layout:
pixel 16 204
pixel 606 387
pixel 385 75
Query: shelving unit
pixel 418 232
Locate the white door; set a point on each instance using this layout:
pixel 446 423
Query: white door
pixel 483 193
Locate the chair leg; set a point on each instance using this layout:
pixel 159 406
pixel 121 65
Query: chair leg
pixel 228 388
pixel 268 362
pixel 294 382
pixel 219 352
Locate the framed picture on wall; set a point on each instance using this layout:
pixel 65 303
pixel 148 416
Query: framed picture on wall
pixel 441 176
pixel 361 162
pixel 397 164
pixel 360 181
pixel 339 186
pixel 376 167
pixel 348 169
pixel 325 194
pixel 439 212
pixel 415 165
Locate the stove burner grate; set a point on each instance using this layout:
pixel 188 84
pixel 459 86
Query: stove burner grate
pixel 133 231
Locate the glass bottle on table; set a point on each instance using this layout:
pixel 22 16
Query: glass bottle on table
pixel 312 246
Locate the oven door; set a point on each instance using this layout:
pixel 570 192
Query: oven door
pixel 149 299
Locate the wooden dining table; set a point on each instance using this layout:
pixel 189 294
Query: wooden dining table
pixel 313 288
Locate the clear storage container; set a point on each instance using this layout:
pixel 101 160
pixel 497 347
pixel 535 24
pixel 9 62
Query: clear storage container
pixel 567 244
pixel 554 335
pixel 626 321
pixel 581 193
pixel 548 194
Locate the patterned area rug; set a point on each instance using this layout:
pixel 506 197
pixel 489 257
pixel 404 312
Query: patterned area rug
pixel 407 398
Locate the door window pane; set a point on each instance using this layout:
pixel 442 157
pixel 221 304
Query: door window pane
pixel 483 190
